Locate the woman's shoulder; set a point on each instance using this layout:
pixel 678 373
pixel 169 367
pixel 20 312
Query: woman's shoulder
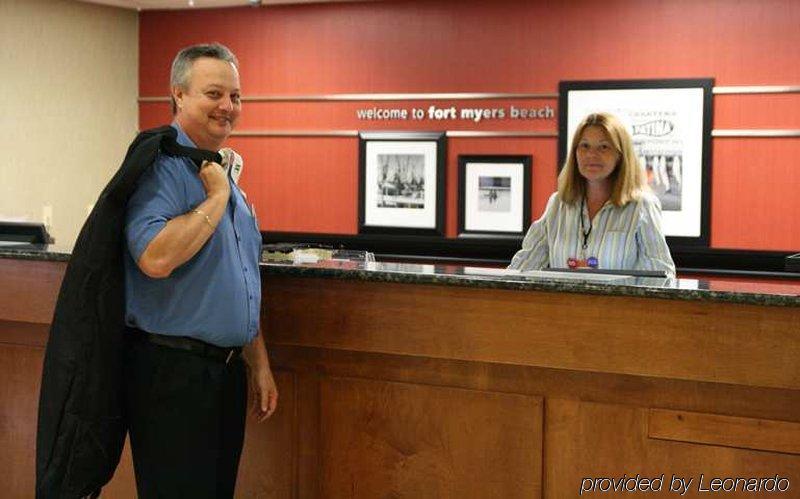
pixel 648 207
pixel 555 203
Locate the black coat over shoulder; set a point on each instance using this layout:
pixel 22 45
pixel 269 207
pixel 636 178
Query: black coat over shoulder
pixel 82 423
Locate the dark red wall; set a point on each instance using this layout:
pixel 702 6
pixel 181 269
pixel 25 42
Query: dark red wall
pixel 309 184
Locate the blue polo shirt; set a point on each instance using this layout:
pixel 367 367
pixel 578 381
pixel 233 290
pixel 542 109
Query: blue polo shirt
pixel 215 296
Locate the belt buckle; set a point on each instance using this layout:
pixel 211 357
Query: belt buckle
pixel 230 356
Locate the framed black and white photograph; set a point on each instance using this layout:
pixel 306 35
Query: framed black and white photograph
pixel 670 123
pixel 402 182
pixel 494 195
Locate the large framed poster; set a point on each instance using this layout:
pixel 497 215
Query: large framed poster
pixel 670 123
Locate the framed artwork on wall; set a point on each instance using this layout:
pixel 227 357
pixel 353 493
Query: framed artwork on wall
pixel 670 123
pixel 494 196
pixel 401 183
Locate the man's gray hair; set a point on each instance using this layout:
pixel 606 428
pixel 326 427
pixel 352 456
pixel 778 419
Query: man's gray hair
pixel 182 65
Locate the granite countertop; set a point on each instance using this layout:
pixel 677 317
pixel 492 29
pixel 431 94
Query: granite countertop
pixel 45 252
pixel 712 290
pixel 782 294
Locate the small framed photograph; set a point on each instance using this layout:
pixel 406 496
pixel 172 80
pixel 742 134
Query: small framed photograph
pixel 401 183
pixel 495 195
pixel 670 123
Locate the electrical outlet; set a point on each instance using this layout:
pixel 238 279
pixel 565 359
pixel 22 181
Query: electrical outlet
pixel 47 216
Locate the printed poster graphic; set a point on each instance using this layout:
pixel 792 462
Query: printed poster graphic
pixel 666 125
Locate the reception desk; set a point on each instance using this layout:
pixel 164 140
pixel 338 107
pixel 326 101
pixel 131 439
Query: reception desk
pixel 420 381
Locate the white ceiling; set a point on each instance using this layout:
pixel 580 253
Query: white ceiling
pixel 197 4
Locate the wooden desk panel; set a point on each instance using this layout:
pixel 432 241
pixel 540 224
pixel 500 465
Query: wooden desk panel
pixel 29 289
pixel 385 439
pixel 595 441
pixel 599 364
pixel 20 378
pixel 715 342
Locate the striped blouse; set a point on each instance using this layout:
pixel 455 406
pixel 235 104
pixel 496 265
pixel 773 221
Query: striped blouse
pixel 627 237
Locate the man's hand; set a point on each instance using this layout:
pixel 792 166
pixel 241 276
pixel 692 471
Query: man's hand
pixel 215 180
pixel 264 393
pixel 262 386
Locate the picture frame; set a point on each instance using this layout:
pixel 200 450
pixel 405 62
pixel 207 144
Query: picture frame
pixel 494 195
pixel 401 183
pixel 670 123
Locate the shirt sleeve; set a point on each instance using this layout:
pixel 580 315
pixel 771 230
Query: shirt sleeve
pixel 650 241
pixel 535 252
pixel 156 200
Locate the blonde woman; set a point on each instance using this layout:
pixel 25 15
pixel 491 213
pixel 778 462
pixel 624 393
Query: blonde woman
pixel 603 214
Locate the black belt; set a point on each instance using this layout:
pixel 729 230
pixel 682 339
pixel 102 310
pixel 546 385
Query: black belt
pixel 223 354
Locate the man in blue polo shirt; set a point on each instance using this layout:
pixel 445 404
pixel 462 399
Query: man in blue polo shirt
pixel 193 295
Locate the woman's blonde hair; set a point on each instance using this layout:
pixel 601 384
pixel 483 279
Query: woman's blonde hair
pixel 628 178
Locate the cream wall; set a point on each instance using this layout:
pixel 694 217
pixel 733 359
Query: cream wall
pixel 69 90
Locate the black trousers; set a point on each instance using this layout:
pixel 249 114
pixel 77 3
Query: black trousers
pixel 186 421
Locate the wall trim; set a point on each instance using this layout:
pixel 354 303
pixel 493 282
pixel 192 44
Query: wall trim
pixel 744 132
pixel 728 90
pixel 455 134
pixel 764 89
pixel 488 134
pixel 366 97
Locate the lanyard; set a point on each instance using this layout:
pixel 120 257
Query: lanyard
pixel 591 262
pixel 585 233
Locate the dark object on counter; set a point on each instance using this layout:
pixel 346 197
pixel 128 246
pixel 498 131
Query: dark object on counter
pixel 82 421
pixel 622 272
pixel 793 263
pixel 24 235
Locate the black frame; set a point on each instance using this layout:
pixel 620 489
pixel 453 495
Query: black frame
pixel 463 160
pixel 440 139
pixel 707 85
